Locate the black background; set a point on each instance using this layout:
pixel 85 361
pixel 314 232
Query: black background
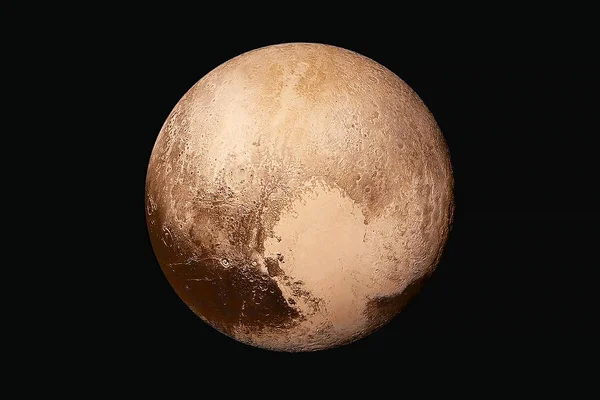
pixel 512 286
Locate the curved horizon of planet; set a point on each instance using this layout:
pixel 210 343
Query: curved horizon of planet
pixel 298 195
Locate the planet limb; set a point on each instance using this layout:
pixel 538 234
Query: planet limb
pixel 297 197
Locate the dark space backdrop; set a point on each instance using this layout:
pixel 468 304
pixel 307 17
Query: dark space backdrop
pixel 513 286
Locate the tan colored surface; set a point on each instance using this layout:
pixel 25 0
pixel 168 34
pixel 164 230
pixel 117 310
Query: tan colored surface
pixel 295 192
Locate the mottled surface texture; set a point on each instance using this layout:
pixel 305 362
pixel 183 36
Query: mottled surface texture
pixel 298 195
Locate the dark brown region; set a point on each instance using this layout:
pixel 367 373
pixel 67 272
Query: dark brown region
pixel 228 297
pixel 381 310
pixel 225 292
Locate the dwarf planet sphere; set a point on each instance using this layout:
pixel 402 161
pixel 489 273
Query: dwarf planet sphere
pixel 298 195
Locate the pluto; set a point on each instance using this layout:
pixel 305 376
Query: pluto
pixel 298 195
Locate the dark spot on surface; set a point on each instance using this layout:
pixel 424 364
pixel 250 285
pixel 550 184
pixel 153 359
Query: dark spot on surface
pixel 381 310
pixel 273 267
pixel 291 301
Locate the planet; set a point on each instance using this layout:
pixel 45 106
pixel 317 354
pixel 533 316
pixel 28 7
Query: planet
pixel 298 196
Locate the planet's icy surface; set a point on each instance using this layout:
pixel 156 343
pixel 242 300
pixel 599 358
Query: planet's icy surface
pixel 297 195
